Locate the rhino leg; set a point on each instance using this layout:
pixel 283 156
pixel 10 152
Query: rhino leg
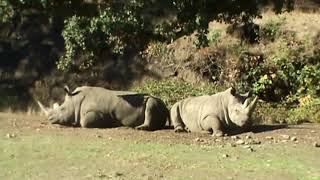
pixel 176 120
pixel 213 123
pixel 148 115
pixel 91 120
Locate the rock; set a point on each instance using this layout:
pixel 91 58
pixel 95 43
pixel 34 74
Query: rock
pixel 8 135
pixel 316 144
pixel 98 136
pixel 256 142
pixel 248 137
pixel 313 131
pixel 234 137
pixel 225 155
pixel 293 138
pixel 285 136
pixel 269 137
pixel 240 142
pixel 198 140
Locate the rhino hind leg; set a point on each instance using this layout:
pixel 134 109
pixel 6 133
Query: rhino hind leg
pixel 155 115
pixel 176 120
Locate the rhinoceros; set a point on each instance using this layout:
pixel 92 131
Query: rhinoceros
pixel 214 113
pixel 97 107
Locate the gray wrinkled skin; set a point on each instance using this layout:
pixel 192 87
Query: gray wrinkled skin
pixel 96 107
pixel 224 110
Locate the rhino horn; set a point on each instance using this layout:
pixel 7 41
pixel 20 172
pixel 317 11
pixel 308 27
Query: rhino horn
pixel 44 109
pixel 55 106
pixel 252 105
pixel 246 103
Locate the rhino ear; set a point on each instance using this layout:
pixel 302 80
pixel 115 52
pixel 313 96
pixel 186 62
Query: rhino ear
pixel 67 89
pixel 232 91
pixel 247 94
pixel 69 93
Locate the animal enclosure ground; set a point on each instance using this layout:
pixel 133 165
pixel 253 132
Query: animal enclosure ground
pixel 31 148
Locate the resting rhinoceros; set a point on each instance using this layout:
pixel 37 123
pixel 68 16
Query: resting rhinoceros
pixel 96 107
pixel 214 113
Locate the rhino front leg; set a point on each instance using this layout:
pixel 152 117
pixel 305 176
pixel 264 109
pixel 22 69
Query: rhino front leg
pixel 213 123
pixel 176 120
pixel 91 119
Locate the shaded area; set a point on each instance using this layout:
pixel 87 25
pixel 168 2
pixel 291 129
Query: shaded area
pixel 256 129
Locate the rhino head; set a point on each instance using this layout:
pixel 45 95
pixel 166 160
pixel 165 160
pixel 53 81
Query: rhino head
pixel 64 114
pixel 239 107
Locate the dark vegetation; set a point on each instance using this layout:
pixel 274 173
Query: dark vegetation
pixel 46 44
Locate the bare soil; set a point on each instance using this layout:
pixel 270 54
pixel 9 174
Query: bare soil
pixel 32 148
pixel 307 133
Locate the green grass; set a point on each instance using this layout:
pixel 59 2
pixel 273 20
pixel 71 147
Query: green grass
pixel 59 155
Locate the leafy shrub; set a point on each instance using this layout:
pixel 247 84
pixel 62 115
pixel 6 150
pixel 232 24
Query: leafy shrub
pixel 214 37
pixel 171 91
pixel 88 37
pixel 307 111
pixel 269 113
pixel 271 30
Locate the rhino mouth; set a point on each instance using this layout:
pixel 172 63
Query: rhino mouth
pixel 48 112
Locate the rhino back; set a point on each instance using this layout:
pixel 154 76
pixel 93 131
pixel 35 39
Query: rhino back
pixel 118 107
pixel 195 109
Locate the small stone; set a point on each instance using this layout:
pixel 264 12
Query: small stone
pixel 293 138
pixel 313 131
pixel 246 146
pixel 285 137
pixel 240 141
pixel 8 135
pixel 316 144
pixel 225 155
pixel 269 137
pixel 197 139
pixel 255 142
pixel 248 137
pixel 234 137
pixel 98 136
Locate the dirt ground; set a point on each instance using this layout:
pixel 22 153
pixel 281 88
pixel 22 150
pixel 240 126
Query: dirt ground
pixel 32 148
pixel 308 133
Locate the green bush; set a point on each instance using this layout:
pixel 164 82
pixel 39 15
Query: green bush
pixel 172 91
pixel 308 111
pixel 87 37
pixel 271 30
pixel 214 37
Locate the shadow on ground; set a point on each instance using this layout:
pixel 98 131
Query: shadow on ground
pixel 257 129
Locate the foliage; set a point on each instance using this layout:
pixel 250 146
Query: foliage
pixel 290 72
pixel 214 37
pixel 101 26
pixel 6 11
pixel 171 91
pixel 308 111
pixel 271 30
pixel 89 36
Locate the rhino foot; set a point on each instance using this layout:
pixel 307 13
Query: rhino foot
pixel 179 129
pixel 143 127
pixel 217 134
